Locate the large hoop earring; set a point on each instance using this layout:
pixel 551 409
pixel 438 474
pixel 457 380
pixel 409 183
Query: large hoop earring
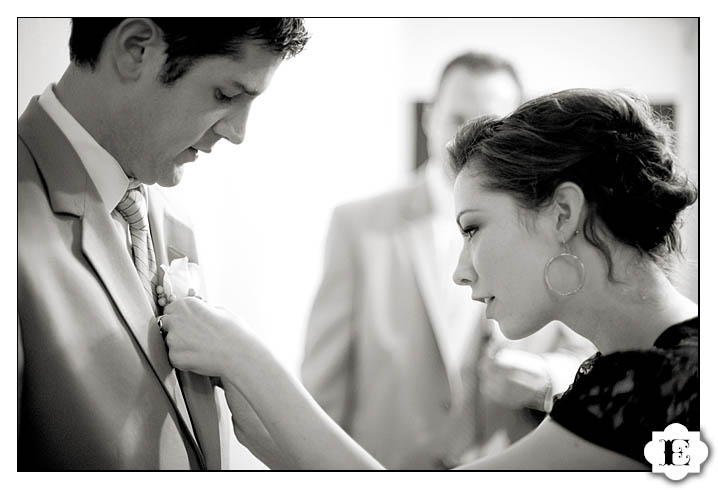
pixel 565 255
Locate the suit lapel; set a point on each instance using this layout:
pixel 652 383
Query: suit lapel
pixel 116 270
pixel 418 238
pixel 114 266
pixel 198 390
pixel 71 191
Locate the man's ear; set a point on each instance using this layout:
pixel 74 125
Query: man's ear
pixel 134 45
pixel 567 209
pixel 426 117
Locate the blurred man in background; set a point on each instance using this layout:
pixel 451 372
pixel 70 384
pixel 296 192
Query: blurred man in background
pixel 396 353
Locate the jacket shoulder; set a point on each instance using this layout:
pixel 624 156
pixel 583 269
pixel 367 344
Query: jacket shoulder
pixel 385 209
pixel 30 185
pixel 25 160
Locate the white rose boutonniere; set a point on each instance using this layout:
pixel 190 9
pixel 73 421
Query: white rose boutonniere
pixel 181 278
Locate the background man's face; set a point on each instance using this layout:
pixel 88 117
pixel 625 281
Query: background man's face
pixel 166 126
pixel 464 95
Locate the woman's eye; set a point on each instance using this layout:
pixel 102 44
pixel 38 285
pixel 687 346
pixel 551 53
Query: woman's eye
pixel 469 232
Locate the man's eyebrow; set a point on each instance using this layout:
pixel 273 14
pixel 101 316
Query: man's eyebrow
pixel 244 89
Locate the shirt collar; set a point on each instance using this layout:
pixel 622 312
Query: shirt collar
pixel 104 171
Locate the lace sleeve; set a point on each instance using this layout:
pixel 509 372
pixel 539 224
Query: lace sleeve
pixel 617 400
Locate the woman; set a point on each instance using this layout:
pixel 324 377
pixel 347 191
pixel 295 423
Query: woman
pixel 569 210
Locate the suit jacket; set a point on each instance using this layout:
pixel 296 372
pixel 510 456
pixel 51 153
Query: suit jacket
pixel 376 355
pixel 97 391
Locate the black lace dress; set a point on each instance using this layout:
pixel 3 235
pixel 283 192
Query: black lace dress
pixel 617 400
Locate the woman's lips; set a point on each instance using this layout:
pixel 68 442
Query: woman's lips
pixel 483 299
pixel 488 301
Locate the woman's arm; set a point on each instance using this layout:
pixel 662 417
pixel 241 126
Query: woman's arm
pixel 212 342
pixel 305 434
pixel 551 447
pixel 250 431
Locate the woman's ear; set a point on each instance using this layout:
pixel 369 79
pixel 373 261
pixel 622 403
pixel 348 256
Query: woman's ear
pixel 133 44
pixel 568 203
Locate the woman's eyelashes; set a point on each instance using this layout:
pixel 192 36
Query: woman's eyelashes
pixel 469 231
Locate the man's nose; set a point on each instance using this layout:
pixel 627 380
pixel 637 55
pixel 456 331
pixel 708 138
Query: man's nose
pixel 233 126
pixel 464 274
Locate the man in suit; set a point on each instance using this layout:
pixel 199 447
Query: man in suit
pixel 140 98
pixel 397 354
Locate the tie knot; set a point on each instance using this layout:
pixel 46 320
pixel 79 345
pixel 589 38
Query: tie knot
pixel 133 208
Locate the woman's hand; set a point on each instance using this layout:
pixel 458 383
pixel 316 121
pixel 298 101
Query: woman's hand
pixel 272 412
pixel 203 338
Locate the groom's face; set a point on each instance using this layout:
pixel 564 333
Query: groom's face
pixel 211 101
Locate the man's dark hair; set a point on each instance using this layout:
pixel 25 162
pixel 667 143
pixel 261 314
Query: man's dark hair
pixel 481 63
pixel 189 39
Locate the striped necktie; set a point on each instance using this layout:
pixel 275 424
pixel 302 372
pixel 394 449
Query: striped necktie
pixel 133 209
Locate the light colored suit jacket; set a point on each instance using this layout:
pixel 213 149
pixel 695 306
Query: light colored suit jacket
pixel 377 350
pixel 96 390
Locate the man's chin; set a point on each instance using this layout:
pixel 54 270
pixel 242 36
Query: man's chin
pixel 173 178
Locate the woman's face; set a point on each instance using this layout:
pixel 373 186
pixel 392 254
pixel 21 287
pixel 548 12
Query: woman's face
pixel 503 256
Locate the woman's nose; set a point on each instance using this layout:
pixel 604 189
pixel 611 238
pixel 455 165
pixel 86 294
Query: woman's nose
pixel 464 274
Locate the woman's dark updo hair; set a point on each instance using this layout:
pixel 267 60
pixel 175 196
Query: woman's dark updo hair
pixel 609 143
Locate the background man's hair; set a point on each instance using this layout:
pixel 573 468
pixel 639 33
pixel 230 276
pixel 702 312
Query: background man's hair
pixel 481 63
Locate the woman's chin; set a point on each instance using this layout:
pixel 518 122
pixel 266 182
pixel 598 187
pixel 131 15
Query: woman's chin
pixel 514 331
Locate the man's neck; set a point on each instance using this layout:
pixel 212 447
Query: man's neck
pixel 440 187
pixel 85 96
pixel 438 166
pixel 77 93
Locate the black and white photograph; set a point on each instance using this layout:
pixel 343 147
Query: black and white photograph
pixel 360 243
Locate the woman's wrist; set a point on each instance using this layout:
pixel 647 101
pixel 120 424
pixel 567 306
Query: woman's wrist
pixel 544 394
pixel 246 365
pixel 546 398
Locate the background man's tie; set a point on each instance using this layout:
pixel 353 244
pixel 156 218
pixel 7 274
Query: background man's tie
pixel 133 208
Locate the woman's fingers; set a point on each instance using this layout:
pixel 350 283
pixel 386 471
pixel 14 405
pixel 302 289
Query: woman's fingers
pixel 171 325
pixel 174 306
pixel 195 335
